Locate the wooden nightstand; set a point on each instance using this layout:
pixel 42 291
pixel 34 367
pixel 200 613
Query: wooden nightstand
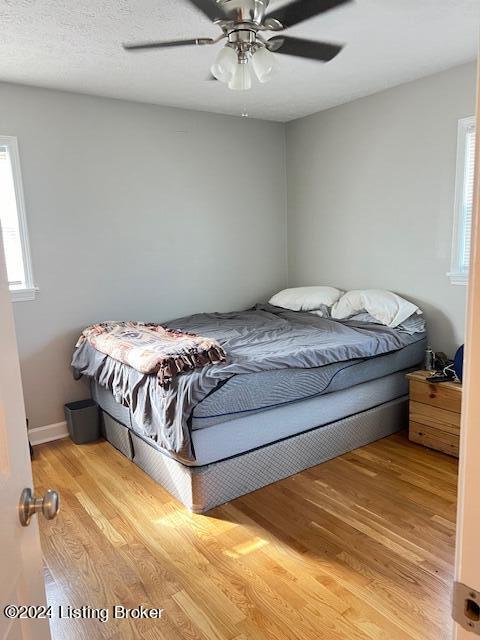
pixel 435 413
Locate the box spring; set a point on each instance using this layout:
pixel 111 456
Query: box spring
pixel 202 488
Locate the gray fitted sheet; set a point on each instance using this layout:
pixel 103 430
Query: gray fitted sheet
pixel 254 392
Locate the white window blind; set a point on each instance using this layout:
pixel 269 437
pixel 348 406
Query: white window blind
pixel 13 222
pixel 461 245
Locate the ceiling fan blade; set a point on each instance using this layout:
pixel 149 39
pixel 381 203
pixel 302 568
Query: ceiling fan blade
pixel 323 51
pixel 301 10
pixel 168 43
pixel 210 8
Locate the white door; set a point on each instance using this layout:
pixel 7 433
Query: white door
pixel 21 570
pixel 468 525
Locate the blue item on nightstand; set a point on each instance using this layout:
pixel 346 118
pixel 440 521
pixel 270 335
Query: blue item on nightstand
pixel 458 363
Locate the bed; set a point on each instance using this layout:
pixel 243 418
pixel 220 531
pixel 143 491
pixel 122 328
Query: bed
pixel 297 390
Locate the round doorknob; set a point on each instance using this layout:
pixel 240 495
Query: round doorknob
pixel 49 505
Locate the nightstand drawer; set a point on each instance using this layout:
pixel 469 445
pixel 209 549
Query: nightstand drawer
pixel 434 438
pixel 444 396
pixel 432 416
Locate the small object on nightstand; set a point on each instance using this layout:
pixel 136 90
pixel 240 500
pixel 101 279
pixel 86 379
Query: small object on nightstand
pixel 435 411
pixel 441 360
pixel 458 363
pixel 429 359
pixel 441 377
pixel 444 369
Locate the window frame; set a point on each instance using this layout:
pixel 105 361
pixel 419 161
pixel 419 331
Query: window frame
pixel 29 290
pixel 457 275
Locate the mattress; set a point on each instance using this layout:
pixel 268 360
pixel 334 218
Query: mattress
pixel 251 431
pixel 224 440
pixel 254 392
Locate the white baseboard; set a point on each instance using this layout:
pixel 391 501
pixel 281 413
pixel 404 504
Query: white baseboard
pixel 49 432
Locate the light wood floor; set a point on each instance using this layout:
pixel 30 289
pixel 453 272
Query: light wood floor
pixel 358 548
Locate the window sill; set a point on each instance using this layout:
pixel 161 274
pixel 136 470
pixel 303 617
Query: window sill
pixel 22 295
pixel 460 278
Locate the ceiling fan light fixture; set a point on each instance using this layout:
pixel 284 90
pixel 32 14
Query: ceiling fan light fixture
pixel 243 24
pixel 264 64
pixel 241 79
pixel 225 65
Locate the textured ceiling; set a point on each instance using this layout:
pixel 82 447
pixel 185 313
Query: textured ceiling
pixel 75 45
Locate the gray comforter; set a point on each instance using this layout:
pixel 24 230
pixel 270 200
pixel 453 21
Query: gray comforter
pixel 260 339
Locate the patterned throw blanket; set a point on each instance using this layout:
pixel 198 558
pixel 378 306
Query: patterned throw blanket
pixel 151 348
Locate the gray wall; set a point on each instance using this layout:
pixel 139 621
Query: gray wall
pixel 140 212
pixel 371 193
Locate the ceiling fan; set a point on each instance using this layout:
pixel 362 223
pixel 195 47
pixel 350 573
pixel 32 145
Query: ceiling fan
pixel 243 24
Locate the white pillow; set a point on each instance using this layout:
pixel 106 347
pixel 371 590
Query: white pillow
pixel 306 298
pixel 385 306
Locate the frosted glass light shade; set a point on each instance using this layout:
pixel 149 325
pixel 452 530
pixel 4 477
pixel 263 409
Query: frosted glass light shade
pixel 264 64
pixel 241 79
pixel 225 65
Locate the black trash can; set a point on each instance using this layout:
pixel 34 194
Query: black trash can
pixel 83 421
